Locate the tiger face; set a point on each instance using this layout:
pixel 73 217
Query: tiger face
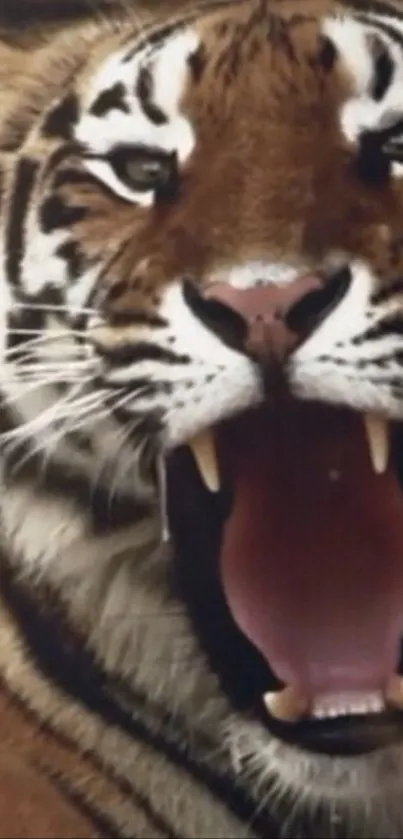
pixel 243 147
pixel 163 182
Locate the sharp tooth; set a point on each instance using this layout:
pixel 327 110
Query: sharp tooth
pixel 393 692
pixel 203 448
pixel 378 441
pixel 287 705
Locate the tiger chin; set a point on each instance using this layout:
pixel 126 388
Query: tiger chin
pixel 201 385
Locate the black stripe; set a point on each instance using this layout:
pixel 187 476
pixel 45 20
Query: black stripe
pixel 144 92
pixel 102 822
pixel 153 34
pixel 70 251
pixel 59 155
pixel 146 387
pixel 71 175
pixel 56 213
pixel 151 38
pixel 29 319
pixel 386 28
pixel 22 188
pixel 137 318
pixel 60 120
pixel 384 69
pixel 125 354
pixel 105 826
pixel 389 326
pixel 197 63
pixel 101 292
pixel 375 6
pixel 384 294
pixel 114 98
pixel 25 13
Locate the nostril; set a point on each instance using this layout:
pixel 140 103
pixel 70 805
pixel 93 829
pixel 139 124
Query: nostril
pixel 217 316
pixel 309 311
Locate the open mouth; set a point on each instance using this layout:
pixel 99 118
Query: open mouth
pixel 310 563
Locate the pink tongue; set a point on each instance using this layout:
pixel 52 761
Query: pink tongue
pixel 312 556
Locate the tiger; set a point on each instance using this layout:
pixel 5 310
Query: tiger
pixel 201 380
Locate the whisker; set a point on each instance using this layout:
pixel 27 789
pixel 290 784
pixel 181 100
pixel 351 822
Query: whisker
pixel 52 366
pixel 32 357
pixel 48 334
pixel 122 466
pixel 50 307
pixel 122 437
pixel 70 425
pixel 87 403
pixel 18 438
pixel 23 348
pixel 35 385
pixel 45 417
pixel 51 377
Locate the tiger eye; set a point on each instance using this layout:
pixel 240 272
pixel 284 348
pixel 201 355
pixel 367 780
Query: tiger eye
pixel 143 169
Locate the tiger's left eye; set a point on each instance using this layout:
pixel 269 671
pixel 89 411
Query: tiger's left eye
pixel 144 170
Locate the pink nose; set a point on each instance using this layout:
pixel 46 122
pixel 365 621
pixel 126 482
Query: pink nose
pixel 265 309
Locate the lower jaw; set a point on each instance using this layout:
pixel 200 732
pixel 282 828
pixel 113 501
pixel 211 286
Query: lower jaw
pixel 268 453
pixel 345 736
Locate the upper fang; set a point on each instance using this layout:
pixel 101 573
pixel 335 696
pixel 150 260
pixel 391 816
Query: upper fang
pixel 203 448
pixel 378 441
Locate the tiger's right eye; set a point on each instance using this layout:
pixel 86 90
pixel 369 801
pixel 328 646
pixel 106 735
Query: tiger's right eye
pixel 146 170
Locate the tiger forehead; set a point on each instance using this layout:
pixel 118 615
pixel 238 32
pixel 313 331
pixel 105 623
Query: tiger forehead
pixel 200 58
pixel 223 92
pixel 244 96
pixel 232 39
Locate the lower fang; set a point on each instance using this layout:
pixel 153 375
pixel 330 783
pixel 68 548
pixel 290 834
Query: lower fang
pixel 287 705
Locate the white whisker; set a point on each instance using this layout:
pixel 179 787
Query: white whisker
pixel 48 334
pixel 52 366
pixel 119 471
pixel 45 418
pixel 117 403
pixel 31 356
pixel 73 422
pixel 94 396
pixel 35 385
pixel 57 307
pixel 27 346
pixel 70 425
pixel 14 438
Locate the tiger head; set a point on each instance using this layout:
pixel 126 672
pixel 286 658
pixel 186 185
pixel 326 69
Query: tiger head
pixel 242 147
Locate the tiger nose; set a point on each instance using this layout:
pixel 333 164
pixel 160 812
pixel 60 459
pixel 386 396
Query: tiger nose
pixel 278 318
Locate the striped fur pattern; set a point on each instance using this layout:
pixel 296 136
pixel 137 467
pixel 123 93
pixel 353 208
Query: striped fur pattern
pixel 129 175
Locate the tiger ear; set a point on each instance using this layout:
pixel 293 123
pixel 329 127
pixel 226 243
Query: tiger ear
pixel 372 56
